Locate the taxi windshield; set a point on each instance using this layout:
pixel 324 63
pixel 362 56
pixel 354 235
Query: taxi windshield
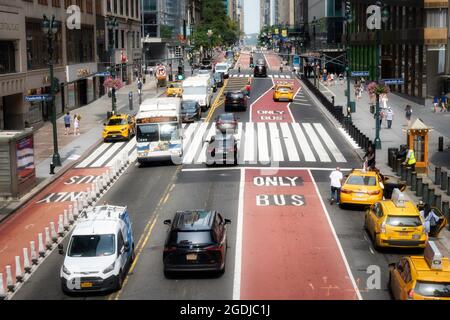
pixel 403 221
pixel 283 89
pixel 117 121
pixel 433 289
pixel 362 180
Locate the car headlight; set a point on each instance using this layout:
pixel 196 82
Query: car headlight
pixel 66 271
pixel 110 268
pixel 124 129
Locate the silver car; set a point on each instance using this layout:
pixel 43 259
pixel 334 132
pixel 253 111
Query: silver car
pixel 227 122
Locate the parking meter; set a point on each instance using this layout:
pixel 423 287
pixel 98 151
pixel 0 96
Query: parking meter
pixel 130 100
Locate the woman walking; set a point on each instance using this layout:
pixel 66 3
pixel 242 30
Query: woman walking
pixel 408 113
pixel 76 125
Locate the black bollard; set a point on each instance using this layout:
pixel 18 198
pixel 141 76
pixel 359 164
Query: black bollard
pixel 437 175
pixel 390 159
pixel 419 187
pixel 399 167
pixel 408 176
pixel 445 210
pixel 431 197
pixel 413 181
pixel 448 186
pixel 441 144
pixel 444 185
pixel 403 172
pixel 438 201
pixel 424 192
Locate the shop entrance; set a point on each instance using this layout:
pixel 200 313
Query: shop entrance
pixel 82 92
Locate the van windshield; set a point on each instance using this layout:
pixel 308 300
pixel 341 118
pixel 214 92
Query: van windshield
pixel 92 246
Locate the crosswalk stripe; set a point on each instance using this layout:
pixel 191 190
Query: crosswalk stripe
pixel 249 152
pixel 241 76
pixel 111 151
pixel 94 155
pixel 196 142
pixel 275 143
pixel 289 142
pixel 282 76
pixel 263 148
pixel 270 75
pixel 276 76
pixel 202 157
pixel 329 143
pixel 131 145
pixel 323 155
pixel 304 146
pixel 188 135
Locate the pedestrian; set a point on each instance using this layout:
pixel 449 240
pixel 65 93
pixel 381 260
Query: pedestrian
pixel 408 113
pixel 357 85
pixel 76 125
pixel 363 83
pixel 381 116
pixel 336 178
pixel 67 123
pixel 369 158
pixel 384 100
pixel 430 218
pixel 389 117
pixel 139 86
pixel 443 103
pixel 341 79
pixel 239 68
pixel 436 102
pixel 410 160
pixel 248 88
pixel 151 71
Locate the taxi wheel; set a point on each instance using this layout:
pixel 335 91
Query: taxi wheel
pixel 375 243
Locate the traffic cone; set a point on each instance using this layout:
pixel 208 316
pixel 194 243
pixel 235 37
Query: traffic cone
pixel 2 288
pixel 26 261
pixel 126 158
pixel 66 220
pixel 48 240
pixel 53 232
pixel 75 210
pixel 60 226
pixel 41 247
pixel 9 279
pixel 19 273
pixel 34 256
pixel 85 200
pixel 99 186
pixel 94 192
pixel 105 181
pixel 71 218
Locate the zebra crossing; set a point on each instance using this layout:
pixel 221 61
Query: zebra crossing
pixel 273 76
pixel 258 143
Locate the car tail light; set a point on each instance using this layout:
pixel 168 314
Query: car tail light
pixel 411 294
pixel 346 191
pixel 372 193
pixel 383 227
pixel 213 248
pixel 170 249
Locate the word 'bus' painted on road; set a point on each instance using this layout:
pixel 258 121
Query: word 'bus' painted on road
pixel 271 115
pixel 81 179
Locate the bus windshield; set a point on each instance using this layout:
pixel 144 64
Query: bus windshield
pixel 157 132
pixel 195 90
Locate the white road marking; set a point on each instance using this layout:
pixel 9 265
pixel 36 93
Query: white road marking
pixel 289 142
pixel 239 137
pixel 304 146
pixel 263 148
pixel 239 231
pixel 355 287
pixel 188 135
pixel 329 143
pixel 249 150
pixel 196 143
pixel 130 145
pixel 101 161
pixel 275 143
pixel 202 157
pixel 265 168
pixel 94 155
pixel 323 155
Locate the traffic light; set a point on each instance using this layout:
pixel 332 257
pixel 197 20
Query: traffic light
pixel 348 10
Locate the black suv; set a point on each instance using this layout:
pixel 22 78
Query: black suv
pixel 235 100
pixel 260 69
pixel 196 241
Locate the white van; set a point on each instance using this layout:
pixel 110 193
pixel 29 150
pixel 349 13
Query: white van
pixel 223 68
pixel 100 251
pixel 199 89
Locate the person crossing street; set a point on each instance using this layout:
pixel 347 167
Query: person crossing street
pixel 336 178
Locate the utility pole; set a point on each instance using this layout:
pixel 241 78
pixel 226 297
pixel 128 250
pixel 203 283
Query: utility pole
pixel 349 18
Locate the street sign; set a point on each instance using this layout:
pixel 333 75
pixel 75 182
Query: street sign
pixel 161 73
pixel 360 73
pixel 103 74
pixel 38 98
pixel 393 81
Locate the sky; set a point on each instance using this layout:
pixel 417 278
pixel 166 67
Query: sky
pixel 251 16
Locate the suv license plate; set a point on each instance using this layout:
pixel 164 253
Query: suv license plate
pixel 86 285
pixel 191 257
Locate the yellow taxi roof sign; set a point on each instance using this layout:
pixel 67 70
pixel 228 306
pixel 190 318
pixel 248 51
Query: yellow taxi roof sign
pixel 398 198
pixel 433 256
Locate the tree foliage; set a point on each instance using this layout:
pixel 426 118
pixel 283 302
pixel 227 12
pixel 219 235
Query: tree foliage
pixel 215 18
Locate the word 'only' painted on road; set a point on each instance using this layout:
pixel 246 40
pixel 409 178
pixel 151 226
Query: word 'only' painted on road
pixel 264 200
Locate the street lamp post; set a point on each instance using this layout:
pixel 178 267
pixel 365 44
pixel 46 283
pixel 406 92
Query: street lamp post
pixel 210 33
pixel 112 24
pixel 314 22
pixel 349 19
pixel 50 28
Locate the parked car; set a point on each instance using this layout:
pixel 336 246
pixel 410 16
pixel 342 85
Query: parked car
pixel 235 100
pixel 196 241
pixel 222 149
pixel 226 122
pixel 190 111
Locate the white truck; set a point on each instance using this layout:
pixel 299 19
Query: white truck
pixel 199 89
pixel 224 68
pixel 159 130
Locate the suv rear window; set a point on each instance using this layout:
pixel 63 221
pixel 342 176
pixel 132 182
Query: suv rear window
pixel 226 116
pixel 433 289
pixel 401 221
pixel 191 237
pixel 362 180
pixel 236 95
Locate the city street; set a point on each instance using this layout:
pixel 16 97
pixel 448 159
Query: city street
pixel 285 240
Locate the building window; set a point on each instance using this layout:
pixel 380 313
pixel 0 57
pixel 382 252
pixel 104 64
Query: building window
pixel 132 8
pixel 127 8
pixel 80 5
pixel 115 6
pixel 116 39
pixel 80 44
pixel 121 7
pixel 56 3
pixel 138 40
pixel 8 57
pixel 137 8
pixel 98 7
pixel 37 54
pixel 43 2
pixel 89 8
pixel 436 18
pixel 108 5
pixel 122 36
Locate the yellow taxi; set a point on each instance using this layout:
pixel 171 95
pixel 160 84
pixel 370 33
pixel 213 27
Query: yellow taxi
pixel 421 278
pixel 119 127
pixel 283 92
pixel 362 187
pixel 174 89
pixel 395 223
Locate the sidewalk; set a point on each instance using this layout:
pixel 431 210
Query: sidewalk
pixel 71 147
pixel 394 137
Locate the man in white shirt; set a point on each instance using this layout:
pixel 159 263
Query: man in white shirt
pixel 336 178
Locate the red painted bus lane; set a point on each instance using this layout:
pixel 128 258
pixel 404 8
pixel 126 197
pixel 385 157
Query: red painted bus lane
pixel 23 226
pixel 289 250
pixel 267 110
